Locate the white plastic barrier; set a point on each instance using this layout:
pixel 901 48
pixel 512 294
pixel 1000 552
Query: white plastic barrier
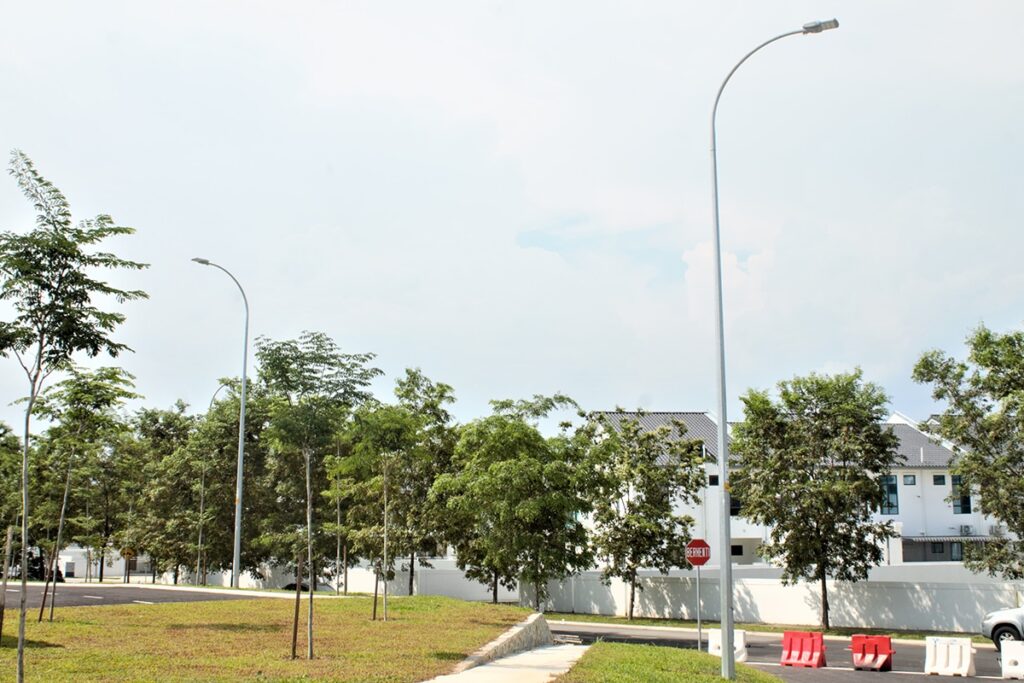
pixel 1012 656
pixel 949 656
pixel 739 643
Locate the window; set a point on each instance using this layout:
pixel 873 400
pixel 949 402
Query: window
pixel 956 551
pixel 712 480
pixel 961 503
pixel 910 480
pixel 735 506
pixel 737 551
pixel 939 479
pixel 938 548
pixel 891 502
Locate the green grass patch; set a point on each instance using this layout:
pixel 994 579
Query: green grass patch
pixel 763 628
pixel 251 640
pixel 621 663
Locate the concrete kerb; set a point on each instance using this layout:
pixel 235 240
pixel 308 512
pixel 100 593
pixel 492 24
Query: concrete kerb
pixel 531 633
pixel 776 634
pixel 290 595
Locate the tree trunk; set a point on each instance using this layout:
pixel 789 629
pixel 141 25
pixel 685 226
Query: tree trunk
pixel 46 583
pixel 824 603
pixel 298 602
pixel 23 606
pixel 103 557
pixel 494 587
pixel 309 552
pixel 337 542
pixel 344 559
pixel 60 530
pixel 376 580
pixel 7 571
pixel 536 595
pixel 412 571
pixel 632 595
pixel 176 569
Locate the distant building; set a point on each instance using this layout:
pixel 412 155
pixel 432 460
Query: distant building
pixel 934 517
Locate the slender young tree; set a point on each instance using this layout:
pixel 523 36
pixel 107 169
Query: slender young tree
pixel 809 467
pixel 48 278
pixel 641 476
pixel 316 386
pixel 82 408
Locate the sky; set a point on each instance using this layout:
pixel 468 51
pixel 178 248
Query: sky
pixel 515 196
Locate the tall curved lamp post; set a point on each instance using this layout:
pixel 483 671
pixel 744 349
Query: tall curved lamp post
pixel 725 546
pixel 236 561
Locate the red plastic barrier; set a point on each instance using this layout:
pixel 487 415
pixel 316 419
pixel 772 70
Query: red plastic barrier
pixel 872 652
pixel 803 648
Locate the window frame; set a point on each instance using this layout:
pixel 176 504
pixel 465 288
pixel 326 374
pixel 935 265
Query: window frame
pixel 891 505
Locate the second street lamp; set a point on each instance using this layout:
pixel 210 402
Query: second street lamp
pixel 236 561
pixel 724 543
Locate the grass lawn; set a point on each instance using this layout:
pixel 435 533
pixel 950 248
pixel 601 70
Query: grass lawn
pixel 620 663
pixel 767 628
pixel 251 640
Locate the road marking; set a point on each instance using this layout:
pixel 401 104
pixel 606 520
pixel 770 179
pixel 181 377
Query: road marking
pixel 142 602
pixel 93 597
pixel 13 590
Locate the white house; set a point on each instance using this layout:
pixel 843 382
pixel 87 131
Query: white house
pixel 934 524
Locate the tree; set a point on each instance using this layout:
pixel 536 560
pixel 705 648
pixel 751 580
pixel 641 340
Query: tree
pixel 315 386
pixel 48 278
pixel 641 476
pixel 809 466
pixel 82 407
pixel 516 499
pixel 984 420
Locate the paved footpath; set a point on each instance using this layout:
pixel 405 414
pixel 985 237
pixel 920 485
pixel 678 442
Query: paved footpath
pixel 535 666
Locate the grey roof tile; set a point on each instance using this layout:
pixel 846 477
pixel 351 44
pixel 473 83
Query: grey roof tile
pixel 919 450
pixel 699 425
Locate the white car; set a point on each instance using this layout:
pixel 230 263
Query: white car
pixel 1003 625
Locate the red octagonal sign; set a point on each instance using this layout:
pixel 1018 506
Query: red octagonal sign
pixel 698 552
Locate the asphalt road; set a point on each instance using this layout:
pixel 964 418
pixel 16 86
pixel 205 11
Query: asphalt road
pixel 765 650
pixel 79 594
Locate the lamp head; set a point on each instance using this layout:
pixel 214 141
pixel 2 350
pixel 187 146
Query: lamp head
pixel 202 261
pixel 819 26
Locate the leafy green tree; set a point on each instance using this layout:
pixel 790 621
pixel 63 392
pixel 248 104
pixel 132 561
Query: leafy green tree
pixel 516 500
pixel 48 278
pixel 984 420
pixel 81 408
pixel 167 490
pixel 809 466
pixel 315 386
pixel 641 475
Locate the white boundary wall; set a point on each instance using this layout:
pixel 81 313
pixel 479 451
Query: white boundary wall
pixel 939 600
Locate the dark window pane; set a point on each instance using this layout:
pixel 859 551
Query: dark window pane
pixel 939 479
pixel 736 550
pixel 910 480
pixel 891 503
pixel 712 480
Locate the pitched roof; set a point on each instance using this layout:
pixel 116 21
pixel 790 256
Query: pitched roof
pixel 699 425
pixel 918 449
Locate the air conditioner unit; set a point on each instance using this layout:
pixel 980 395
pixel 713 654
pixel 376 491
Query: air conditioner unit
pixel 966 530
pixel 997 530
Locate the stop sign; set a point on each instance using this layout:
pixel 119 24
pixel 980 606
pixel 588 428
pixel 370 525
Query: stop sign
pixel 698 552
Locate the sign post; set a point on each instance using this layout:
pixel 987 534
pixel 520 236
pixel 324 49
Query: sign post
pixel 698 552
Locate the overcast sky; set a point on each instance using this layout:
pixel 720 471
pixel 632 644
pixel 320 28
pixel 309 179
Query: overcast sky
pixel 514 196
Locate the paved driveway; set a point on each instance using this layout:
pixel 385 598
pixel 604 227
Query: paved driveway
pixel 765 650
pixel 78 594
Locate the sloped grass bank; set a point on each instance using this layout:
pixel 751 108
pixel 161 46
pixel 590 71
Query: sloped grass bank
pixel 251 640
pixel 621 663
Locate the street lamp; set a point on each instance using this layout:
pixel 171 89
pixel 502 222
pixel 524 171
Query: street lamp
pixel 725 547
pixel 236 561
